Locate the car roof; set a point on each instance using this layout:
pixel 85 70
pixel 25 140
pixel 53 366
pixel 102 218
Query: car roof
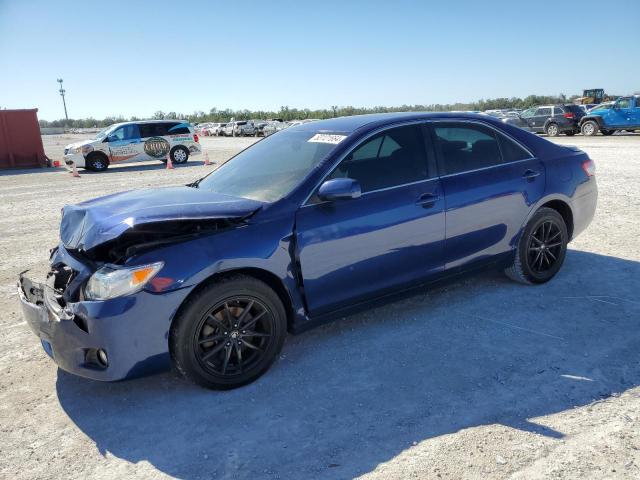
pixel 374 120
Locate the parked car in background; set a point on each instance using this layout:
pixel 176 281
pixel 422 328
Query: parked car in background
pixel 201 126
pixel 273 127
pixel 133 142
pixel 623 114
pixel 258 126
pixel 550 119
pixel 504 112
pixel 241 128
pixel 213 130
pixel 209 276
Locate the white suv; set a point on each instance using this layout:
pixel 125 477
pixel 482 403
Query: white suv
pixel 133 142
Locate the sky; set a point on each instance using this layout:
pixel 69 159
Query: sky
pixel 136 57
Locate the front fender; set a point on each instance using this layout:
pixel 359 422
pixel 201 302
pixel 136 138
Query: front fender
pixel 596 118
pixel 266 246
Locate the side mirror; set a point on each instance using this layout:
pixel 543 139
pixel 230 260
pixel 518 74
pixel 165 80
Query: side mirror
pixel 339 189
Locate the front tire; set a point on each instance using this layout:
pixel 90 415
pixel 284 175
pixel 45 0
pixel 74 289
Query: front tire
pixel 552 130
pixel 179 155
pixel 589 128
pixel 229 333
pixel 96 162
pixel 541 248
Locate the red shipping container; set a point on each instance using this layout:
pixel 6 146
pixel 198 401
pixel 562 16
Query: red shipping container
pixel 20 140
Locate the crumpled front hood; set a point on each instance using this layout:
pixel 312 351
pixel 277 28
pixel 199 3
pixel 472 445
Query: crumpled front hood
pixel 97 221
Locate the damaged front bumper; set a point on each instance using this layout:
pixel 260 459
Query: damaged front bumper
pixel 131 331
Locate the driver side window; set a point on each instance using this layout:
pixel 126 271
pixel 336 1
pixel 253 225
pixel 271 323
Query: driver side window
pixel 392 158
pixel 125 132
pixel 624 103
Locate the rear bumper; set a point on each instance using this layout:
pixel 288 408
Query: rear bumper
pixel 132 330
pixel 584 205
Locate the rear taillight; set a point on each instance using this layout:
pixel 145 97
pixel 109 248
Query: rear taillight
pixel 569 115
pixel 195 137
pixel 589 167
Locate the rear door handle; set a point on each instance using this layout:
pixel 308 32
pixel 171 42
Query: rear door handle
pixel 428 200
pixel 530 175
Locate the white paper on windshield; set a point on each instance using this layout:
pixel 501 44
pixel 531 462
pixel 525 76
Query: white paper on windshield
pixel 327 138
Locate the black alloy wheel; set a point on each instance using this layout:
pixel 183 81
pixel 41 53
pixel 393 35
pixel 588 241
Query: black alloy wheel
pixel 233 335
pixel 228 333
pixel 545 247
pixel 541 249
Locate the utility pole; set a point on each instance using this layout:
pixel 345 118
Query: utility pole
pixel 62 92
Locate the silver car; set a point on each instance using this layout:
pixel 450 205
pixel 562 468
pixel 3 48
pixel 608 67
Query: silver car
pixel 241 128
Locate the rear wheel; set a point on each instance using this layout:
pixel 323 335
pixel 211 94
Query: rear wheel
pixel 97 162
pixel 552 130
pixel 229 333
pixel 179 155
pixel 589 128
pixel 541 249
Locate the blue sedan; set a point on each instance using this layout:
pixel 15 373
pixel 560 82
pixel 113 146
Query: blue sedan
pixel 307 225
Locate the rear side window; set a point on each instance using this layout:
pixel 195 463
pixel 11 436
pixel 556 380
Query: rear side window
pixel 392 158
pixel 465 147
pixel 558 111
pixel 511 151
pixel 573 108
pixel 544 111
pixel 153 130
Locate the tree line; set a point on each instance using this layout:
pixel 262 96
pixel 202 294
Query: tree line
pixel 288 113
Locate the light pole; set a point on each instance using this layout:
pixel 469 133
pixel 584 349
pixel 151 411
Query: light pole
pixel 62 92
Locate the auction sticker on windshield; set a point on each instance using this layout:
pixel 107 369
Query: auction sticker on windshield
pixel 327 138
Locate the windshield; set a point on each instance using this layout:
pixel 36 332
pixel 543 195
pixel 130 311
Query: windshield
pixel 101 134
pixel 271 168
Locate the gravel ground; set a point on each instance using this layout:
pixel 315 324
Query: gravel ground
pixel 481 378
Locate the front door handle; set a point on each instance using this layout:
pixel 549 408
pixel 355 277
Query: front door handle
pixel 428 200
pixel 530 175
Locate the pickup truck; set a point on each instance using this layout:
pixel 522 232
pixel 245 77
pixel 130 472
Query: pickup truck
pixel 624 114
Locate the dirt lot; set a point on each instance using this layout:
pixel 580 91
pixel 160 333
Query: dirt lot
pixel 482 378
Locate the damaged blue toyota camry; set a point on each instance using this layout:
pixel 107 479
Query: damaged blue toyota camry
pixel 307 225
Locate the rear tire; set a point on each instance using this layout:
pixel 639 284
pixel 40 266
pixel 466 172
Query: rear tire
pixel 552 130
pixel 541 248
pixel 96 162
pixel 179 155
pixel 589 128
pixel 238 347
